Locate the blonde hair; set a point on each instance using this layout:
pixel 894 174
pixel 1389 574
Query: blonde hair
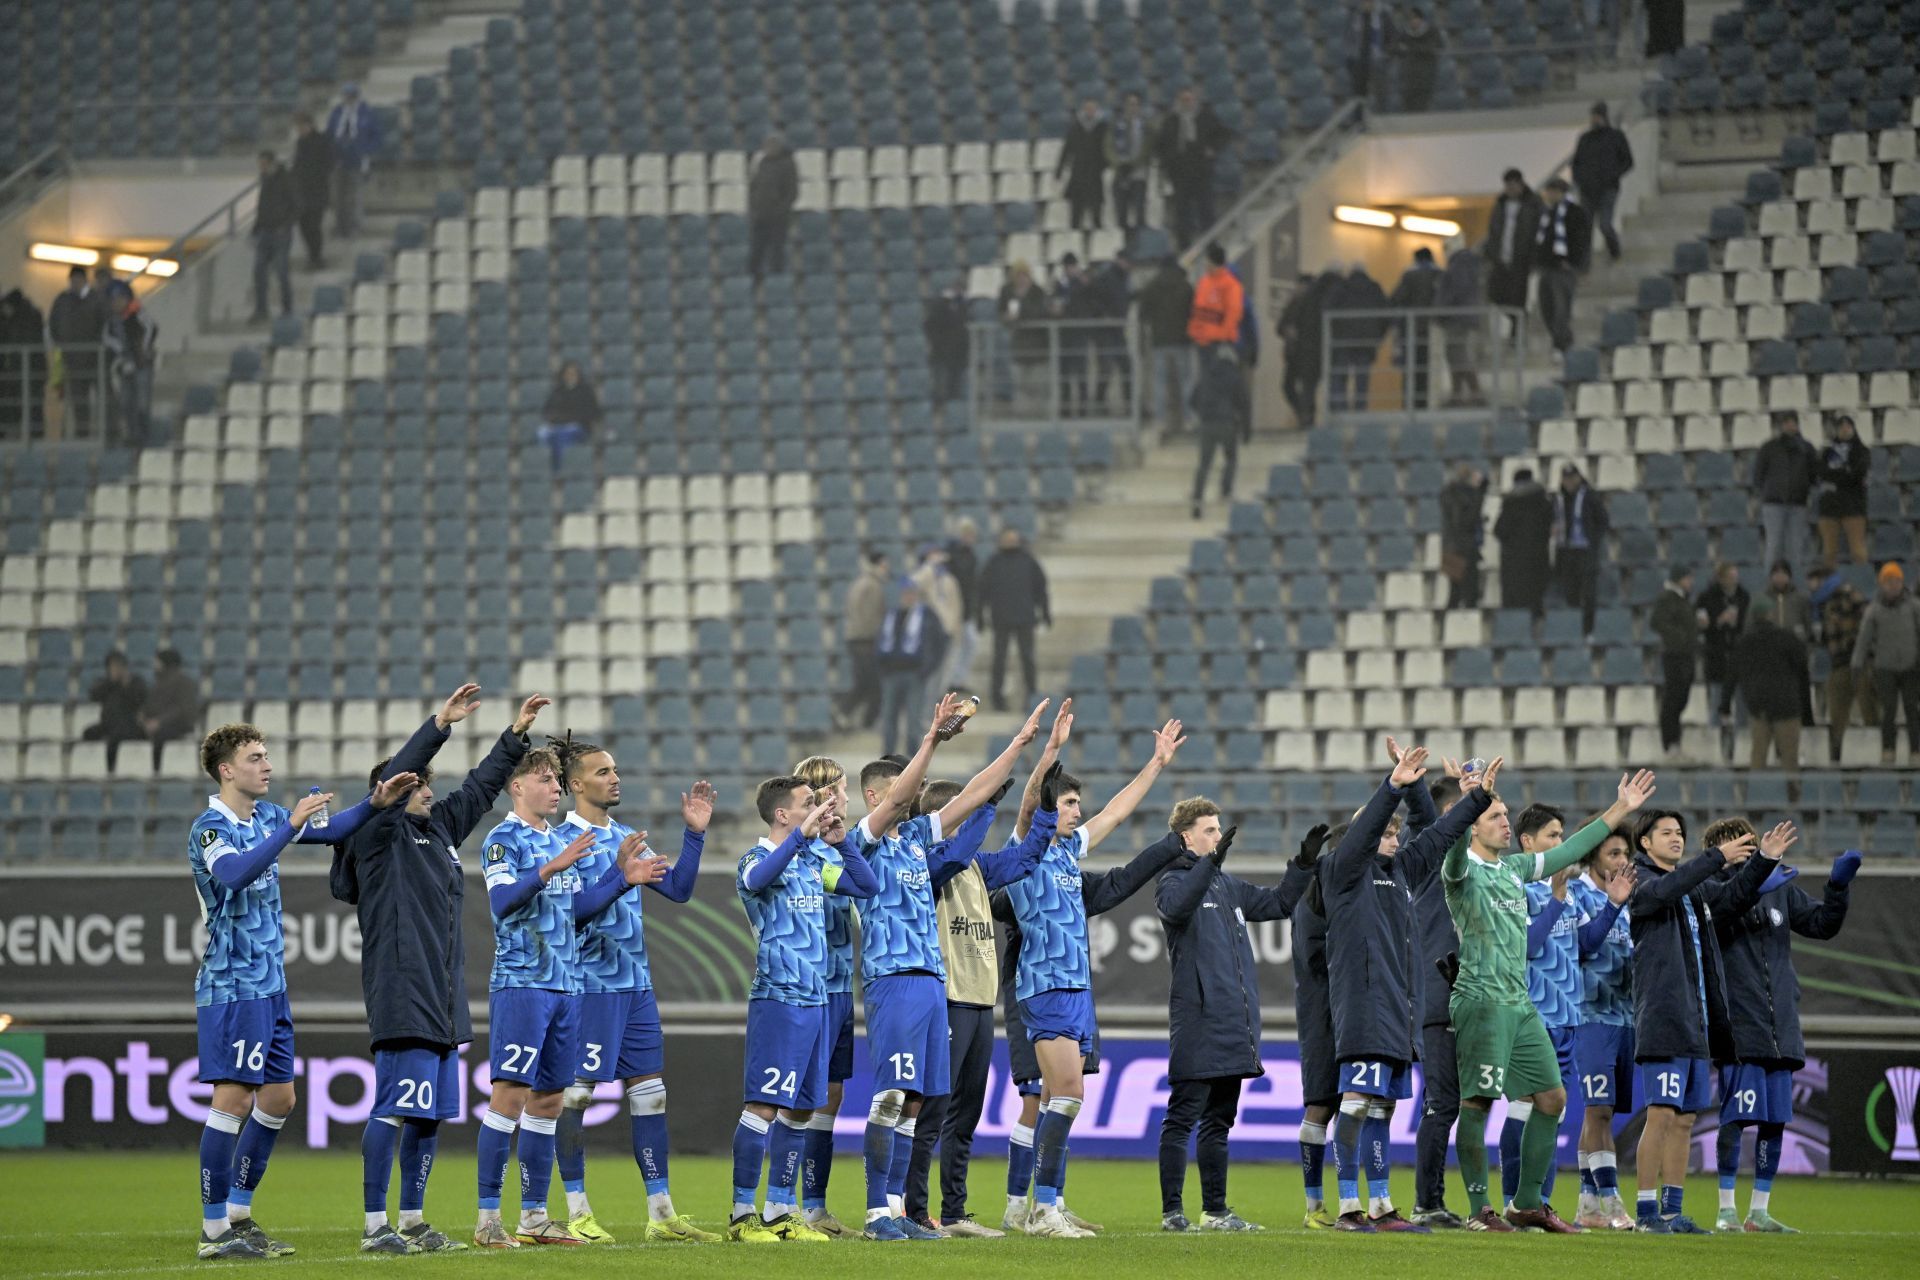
pixel 1725 831
pixel 1190 811
pixel 819 772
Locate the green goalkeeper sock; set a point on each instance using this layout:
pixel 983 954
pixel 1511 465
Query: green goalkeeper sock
pixel 1537 1143
pixel 1471 1144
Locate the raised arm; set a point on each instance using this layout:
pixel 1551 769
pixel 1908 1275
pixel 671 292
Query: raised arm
pixel 1655 894
pixel 1102 891
pixel 1424 854
pixel 1016 863
pixel 1166 741
pixel 1633 792
pixel 1823 919
pixel 951 856
pixel 1734 894
pixel 696 808
pixel 473 799
pixel 1182 889
pixel 990 779
pixel 507 892
pixel 770 868
pixel 906 784
pixel 635 864
pixel 854 878
pixel 1049 756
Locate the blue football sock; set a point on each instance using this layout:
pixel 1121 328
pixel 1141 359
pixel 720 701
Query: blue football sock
pixel 1589 1185
pixel 1510 1133
pixel 494 1147
pixel 1670 1198
pixel 250 1156
pixel 536 1161
pixel 784 1141
pixel 1019 1162
pixel 1766 1156
pixel 903 1158
pixel 376 1162
pixel 570 1148
pixel 1313 1156
pixel 1050 1148
pixel 816 1161
pixel 1553 1162
pixel 1647 1203
pixel 1373 1141
pixel 1346 1154
pixel 650 1150
pixel 217 1141
pixel 878 1157
pixel 1726 1150
pixel 749 1153
pixel 419 1140
pixel 1606 1172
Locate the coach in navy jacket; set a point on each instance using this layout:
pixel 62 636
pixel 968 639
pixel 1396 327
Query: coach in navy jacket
pixel 1373 949
pixel 1763 992
pixel 403 871
pixel 1666 976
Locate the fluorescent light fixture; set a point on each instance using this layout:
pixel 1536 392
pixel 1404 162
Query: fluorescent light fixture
pixel 163 267
pixel 71 254
pixel 134 264
pixel 1442 227
pixel 1362 216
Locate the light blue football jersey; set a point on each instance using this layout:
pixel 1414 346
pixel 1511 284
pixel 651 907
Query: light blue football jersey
pixel 900 925
pixel 839 909
pixel 1606 975
pixel 246 950
pixel 613 945
pixel 789 922
pixel 1053 922
pixel 534 945
pixel 1553 976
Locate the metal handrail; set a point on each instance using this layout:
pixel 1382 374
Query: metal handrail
pixel 1350 118
pixel 1418 337
pixel 35 171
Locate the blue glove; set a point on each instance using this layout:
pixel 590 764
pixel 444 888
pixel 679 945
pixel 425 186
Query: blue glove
pixel 1781 875
pixel 1845 867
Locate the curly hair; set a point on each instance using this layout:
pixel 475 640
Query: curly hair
pixel 218 747
pixel 1190 811
pixel 536 760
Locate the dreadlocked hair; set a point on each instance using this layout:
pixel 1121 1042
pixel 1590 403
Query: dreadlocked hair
pixel 568 754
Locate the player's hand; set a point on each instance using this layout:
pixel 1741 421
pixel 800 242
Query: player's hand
pixel 1845 867
pixel 639 864
pixel 1062 727
pixel 1774 844
pixel 1031 729
pixel 1226 843
pixel 818 819
pixel 1167 739
pixel 528 710
pixel 836 831
pixel 394 789
pixel 1478 781
pixel 1408 766
pixel 457 707
pixel 1050 787
pixel 1452 768
pixel 949 703
pixel 1620 887
pixel 1000 792
pixel 1635 789
pixel 696 806
pixel 582 845
pixel 1738 851
pixel 1393 750
pixel 1559 882
pixel 307 806
pixel 1310 846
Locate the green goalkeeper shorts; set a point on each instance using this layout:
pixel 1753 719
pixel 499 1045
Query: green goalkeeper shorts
pixel 1502 1049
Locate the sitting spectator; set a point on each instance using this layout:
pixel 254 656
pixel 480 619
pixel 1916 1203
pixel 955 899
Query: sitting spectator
pixel 908 650
pixel 1416 47
pixel 1889 648
pixel 1773 665
pixel 571 412
pixel 172 708
pixel 120 695
pixel 1843 495
pixel 1849 694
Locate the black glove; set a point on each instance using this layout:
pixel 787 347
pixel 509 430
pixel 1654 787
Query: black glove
pixel 1000 792
pixel 1226 843
pixel 1449 967
pixel 1310 847
pixel 1049 797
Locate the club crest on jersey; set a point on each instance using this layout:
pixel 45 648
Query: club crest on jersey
pixel 496 853
pixel 1774 914
pixel 919 853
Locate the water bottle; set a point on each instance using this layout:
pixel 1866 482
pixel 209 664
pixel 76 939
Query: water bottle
pixel 947 729
pixel 1474 766
pixel 320 818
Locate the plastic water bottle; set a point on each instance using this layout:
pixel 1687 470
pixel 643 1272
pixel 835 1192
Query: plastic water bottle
pixel 320 818
pixel 949 728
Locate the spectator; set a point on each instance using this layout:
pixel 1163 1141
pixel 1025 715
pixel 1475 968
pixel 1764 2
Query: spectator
pixel 23 365
pixel 1601 159
pixel 864 611
pixel 1724 604
pixel 908 650
pixel 77 324
pixel 172 708
pixel 1677 624
pixel 1074 299
pixel 1356 340
pixel 1889 648
pixel 1413 337
pixel 1563 250
pixel 130 339
pixel 120 694
pixel 571 413
pixel 1525 529
pixel 1083 163
pixel 273 218
pixel 355 130
pixel 1666 27
pixel 1462 499
pixel 1843 494
pixel 1220 404
pixel 941 592
pixel 1024 310
pixel 1773 666
pixel 1784 471
pixel 1369 36
pixel 1784 604
pixel 1110 289
pixel 1129 151
pixel 1841 609
pixel 1416 48
pixel 1580 528
pixel 313 160
pixel 771 193
pixel 1191 138
pixel 964 564
pixel 1166 306
pixel 1013 597
pixel 1462 290
pixel 1509 245
pixel 945 327
pixel 1301 346
pixel 1219 301
pixel 1247 347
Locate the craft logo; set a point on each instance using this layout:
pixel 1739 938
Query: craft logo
pixel 22 1121
pixel 1903 1083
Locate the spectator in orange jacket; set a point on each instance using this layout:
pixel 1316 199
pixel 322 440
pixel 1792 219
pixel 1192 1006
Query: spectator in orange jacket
pixel 1219 300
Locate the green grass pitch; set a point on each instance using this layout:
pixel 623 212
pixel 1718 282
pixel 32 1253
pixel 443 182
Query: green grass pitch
pixel 111 1214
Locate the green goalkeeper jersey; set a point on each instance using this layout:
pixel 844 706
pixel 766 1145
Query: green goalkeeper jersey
pixel 1488 902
